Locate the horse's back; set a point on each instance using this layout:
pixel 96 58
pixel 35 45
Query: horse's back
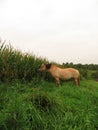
pixel 73 71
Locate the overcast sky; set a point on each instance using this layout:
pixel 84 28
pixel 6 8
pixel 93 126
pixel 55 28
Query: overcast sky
pixel 60 30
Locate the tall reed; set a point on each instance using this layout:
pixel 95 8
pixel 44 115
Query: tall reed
pixel 17 65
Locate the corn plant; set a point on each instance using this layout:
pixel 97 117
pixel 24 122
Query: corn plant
pixel 17 65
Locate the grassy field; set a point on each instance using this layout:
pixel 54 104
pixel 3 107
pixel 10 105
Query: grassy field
pixel 30 100
pixel 44 106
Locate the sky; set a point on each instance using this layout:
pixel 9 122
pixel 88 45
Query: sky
pixel 59 30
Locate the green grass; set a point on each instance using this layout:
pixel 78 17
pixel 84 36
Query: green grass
pixel 45 106
pixel 30 100
pixel 17 65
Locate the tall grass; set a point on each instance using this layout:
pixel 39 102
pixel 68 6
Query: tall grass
pixel 17 65
pixel 23 66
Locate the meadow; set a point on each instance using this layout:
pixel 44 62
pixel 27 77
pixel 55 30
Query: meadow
pixel 31 101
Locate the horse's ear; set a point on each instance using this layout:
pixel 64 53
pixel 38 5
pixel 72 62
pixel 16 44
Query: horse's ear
pixel 48 66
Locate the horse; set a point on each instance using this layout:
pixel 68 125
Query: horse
pixel 61 73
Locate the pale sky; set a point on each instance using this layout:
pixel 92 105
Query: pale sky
pixel 60 30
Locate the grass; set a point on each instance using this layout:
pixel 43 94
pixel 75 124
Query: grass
pixel 44 106
pixel 31 101
pixel 17 65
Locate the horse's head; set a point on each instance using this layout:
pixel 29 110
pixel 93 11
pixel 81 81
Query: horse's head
pixel 45 67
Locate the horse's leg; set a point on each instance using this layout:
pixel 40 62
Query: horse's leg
pixel 79 81
pixel 76 82
pixel 57 81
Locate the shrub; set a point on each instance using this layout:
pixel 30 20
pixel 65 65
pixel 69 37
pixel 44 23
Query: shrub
pixel 95 75
pixel 83 73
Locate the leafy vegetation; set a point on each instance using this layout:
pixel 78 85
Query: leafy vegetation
pixel 24 66
pixel 32 101
pixel 16 65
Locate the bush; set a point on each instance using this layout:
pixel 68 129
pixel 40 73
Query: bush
pixel 83 73
pixel 95 75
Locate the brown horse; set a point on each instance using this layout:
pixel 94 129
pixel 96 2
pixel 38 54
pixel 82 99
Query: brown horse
pixel 60 73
